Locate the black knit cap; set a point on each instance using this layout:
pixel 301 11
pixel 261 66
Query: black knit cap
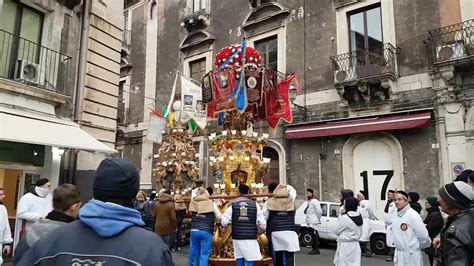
pixel 41 181
pixel 350 204
pixel 414 196
pixel 244 189
pixel 457 194
pixel 117 181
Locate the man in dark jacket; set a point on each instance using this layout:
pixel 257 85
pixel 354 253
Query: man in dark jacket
pixel 66 204
pixel 108 227
pixel 413 198
pixel 434 223
pixel 457 237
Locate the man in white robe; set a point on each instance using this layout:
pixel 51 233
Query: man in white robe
pixel 246 218
pixel 365 209
pixel 408 232
pixel 313 217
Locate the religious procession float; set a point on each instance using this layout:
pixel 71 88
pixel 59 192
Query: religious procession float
pixel 240 92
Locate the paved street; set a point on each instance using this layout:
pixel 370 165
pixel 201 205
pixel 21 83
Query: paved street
pixel 325 258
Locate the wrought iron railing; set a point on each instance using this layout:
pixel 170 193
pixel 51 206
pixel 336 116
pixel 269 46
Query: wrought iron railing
pixel 340 3
pixel 32 64
pixel 365 64
pixel 452 43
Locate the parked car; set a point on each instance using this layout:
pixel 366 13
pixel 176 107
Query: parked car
pixel 328 224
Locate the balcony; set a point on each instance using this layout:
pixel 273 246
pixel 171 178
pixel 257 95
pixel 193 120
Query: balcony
pixel 37 66
pixel 365 66
pixel 452 45
pixel 192 19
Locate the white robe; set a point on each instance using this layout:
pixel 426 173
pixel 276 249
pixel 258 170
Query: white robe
pixel 30 209
pixel 392 210
pixel 5 233
pixel 365 209
pixel 409 236
pixel 348 251
pixel 313 213
pixel 247 249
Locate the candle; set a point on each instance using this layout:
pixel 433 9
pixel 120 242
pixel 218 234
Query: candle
pixel 212 158
pixel 265 136
pixel 224 133
pixel 210 138
pixel 255 134
pixel 221 159
pixel 216 186
pixel 183 153
pixel 222 186
pixel 244 132
pixel 253 185
pixel 232 185
pixel 213 135
pixel 247 158
pixel 231 157
pixel 196 155
pixel 233 132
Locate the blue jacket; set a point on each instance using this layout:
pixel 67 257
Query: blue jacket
pixel 105 233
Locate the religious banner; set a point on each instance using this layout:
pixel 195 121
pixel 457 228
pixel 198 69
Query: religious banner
pixel 206 87
pixel 223 84
pixel 192 105
pixel 278 102
pixel 254 82
pixel 156 126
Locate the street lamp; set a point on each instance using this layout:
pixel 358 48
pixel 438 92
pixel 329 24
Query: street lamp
pixel 293 91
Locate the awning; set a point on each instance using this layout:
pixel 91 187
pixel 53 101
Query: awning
pixel 28 127
pixel 372 124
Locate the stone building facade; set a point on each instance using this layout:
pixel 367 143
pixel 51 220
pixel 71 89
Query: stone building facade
pixel 380 108
pixel 59 75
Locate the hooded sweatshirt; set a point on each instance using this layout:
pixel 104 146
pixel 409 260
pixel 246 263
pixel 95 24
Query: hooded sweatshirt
pixel 349 227
pixel 105 233
pixel 165 215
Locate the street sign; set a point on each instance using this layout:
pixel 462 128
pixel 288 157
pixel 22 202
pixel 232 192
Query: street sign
pixel 458 167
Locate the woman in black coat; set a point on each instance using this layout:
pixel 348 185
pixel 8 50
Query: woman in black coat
pixel 434 223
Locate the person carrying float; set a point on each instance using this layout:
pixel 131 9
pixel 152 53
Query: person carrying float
pixel 204 212
pixel 246 218
pixel 280 213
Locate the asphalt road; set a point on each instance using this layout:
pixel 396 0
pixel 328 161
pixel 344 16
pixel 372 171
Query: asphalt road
pixel 326 257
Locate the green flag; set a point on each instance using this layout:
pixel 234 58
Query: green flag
pixel 192 125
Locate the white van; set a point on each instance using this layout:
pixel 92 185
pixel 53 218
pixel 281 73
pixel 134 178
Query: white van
pixel 329 222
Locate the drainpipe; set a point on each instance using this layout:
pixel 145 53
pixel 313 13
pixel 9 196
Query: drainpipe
pixel 320 179
pixel 81 71
pixel 80 83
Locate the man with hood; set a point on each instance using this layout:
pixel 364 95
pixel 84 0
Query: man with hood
pixel 313 217
pixel 143 206
pixel 457 237
pixel 165 216
pixel 66 205
pixel 348 231
pixel 108 227
pixel 246 218
pixel 204 212
pixel 35 204
pixel 409 233
pixel 367 213
pixel 434 224
pixel 280 213
pixel 413 198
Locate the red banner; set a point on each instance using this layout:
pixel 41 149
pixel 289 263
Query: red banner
pixel 278 102
pixel 223 83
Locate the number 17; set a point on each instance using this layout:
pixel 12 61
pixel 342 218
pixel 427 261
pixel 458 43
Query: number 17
pixel 388 176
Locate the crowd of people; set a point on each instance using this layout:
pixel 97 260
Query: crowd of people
pixel 57 230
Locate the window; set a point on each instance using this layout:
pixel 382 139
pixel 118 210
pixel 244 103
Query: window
pixel 334 210
pixel 365 28
pixel 324 209
pixel 197 69
pixel 199 5
pixel 268 49
pixel 19 20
